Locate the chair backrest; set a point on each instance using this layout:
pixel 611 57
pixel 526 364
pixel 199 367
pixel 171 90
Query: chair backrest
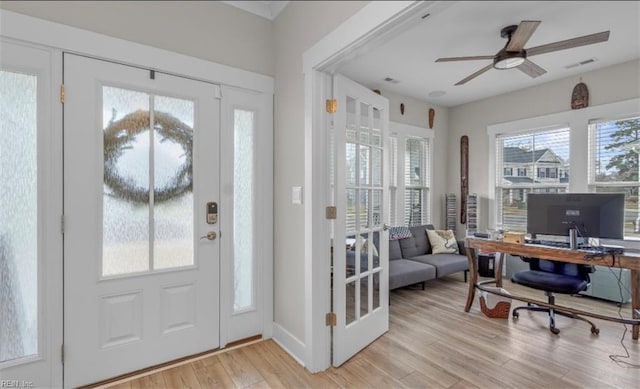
pixel 568 269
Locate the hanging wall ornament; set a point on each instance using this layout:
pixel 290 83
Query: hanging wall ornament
pixel 432 116
pixel 464 177
pixel 580 96
pixel 402 108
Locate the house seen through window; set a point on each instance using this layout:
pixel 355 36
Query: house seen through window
pixel 540 160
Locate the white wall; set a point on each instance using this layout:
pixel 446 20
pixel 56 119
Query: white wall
pixel 209 30
pixel 416 113
pixel 615 83
pixel 300 25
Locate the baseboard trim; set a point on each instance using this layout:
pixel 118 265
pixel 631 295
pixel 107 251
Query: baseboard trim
pixel 289 343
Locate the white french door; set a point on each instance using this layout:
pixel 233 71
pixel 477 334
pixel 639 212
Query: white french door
pixel 360 273
pixel 30 208
pixel 142 247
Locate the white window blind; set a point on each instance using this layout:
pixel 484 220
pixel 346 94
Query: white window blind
pixel 417 181
pixel 540 161
pixel 614 150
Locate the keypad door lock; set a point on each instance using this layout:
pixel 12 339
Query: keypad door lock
pixel 212 212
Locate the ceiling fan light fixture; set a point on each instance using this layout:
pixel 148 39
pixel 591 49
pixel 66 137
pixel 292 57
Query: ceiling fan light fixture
pixel 509 59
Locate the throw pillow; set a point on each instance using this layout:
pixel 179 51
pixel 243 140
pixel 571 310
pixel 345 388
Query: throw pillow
pixel 442 242
pixel 400 232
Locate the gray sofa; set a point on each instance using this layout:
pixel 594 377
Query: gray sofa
pixel 411 261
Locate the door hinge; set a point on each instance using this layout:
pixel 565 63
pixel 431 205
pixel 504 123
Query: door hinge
pixel 330 319
pixel 62 354
pixel 62 224
pixel 332 106
pixel 332 212
pixel 62 93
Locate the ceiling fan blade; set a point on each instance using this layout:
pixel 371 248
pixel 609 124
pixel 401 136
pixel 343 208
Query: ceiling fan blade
pixel 569 43
pixel 474 75
pixel 450 59
pixel 522 35
pixel 531 69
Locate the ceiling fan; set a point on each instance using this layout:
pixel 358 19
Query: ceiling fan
pixel 514 55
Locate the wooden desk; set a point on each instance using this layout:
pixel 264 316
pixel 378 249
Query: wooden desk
pixel 626 261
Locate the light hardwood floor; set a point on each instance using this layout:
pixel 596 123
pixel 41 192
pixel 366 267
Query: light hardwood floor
pixel 433 343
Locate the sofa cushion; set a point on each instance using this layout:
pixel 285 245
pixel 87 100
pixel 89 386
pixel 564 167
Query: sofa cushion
pixel 417 244
pixel 403 272
pixel 444 263
pixel 394 250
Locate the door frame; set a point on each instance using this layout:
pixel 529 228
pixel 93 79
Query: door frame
pixel 63 38
pixel 369 27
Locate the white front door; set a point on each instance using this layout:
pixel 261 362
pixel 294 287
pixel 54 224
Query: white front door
pixel 141 228
pixel 360 273
pixel 30 209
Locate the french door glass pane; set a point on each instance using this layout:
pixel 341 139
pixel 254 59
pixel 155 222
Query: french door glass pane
pixel 376 290
pixel 243 209
pixel 351 119
pixel 351 164
pixel 350 305
pixel 364 296
pixel 364 165
pixel 173 190
pixel 18 216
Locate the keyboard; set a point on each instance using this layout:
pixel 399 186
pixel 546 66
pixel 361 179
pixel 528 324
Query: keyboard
pixel 582 247
pixel 549 243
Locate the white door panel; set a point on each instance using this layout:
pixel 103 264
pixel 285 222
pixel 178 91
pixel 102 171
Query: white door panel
pixel 141 278
pixel 360 273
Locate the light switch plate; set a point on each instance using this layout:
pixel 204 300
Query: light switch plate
pixel 296 195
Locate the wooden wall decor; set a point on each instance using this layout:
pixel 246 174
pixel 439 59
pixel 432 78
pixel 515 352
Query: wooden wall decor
pixel 580 96
pixel 402 108
pixel 432 115
pixel 464 177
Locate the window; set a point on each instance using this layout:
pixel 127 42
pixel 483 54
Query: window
pixel 543 151
pixel 410 174
pixel 416 175
pixel 613 164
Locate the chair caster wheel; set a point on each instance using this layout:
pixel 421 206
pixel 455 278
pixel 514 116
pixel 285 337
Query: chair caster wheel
pixel 554 330
pixel 595 331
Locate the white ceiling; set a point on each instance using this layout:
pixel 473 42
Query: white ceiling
pixel 469 28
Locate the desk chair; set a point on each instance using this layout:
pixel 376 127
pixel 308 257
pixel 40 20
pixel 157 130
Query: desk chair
pixel 554 277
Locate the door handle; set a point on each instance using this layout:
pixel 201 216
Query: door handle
pixel 211 235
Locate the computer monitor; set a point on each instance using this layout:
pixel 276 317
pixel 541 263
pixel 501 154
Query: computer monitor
pixel 593 215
